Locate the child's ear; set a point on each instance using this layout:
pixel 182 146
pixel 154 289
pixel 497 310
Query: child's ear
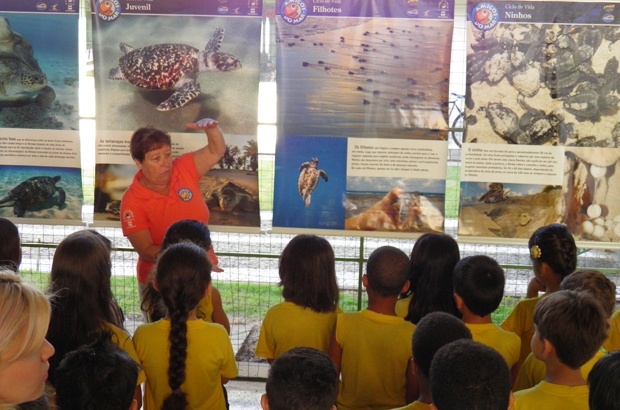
pixel 511 402
pixel 365 280
pixel 405 287
pixel 548 348
pixel 134 405
pixel 264 403
pixel 433 407
pixel 155 285
pixel 459 302
pixel 208 288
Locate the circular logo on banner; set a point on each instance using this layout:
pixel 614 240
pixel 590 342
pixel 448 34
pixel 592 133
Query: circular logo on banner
pixel 294 11
pixel 185 194
pixel 485 16
pixel 108 10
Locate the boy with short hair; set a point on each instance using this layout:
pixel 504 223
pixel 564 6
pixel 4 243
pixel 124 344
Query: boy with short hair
pixel 603 291
pixel 468 375
pixel 98 376
pixel 302 378
pixel 433 331
pixel 478 290
pixel 569 327
pixel 372 348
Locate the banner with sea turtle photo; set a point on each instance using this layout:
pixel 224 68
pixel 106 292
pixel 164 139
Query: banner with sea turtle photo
pixel 542 121
pixel 40 162
pixel 362 115
pixel 167 64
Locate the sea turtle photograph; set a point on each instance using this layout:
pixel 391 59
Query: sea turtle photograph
pixel 173 67
pixel 38 72
pixel 309 175
pixel 168 71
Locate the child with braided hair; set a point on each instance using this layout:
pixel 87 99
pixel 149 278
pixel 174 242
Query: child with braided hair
pixel 186 360
pixel 554 256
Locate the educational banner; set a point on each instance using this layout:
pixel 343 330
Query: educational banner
pixel 166 64
pixel 362 115
pixel 40 167
pixel 542 120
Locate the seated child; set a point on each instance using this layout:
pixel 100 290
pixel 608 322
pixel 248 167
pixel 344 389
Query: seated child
pixel 569 328
pixel 603 290
pixel 302 378
pixel 10 245
pixel 468 375
pixel 99 376
pixel 604 382
pixel 433 331
pixel 554 256
pixel 308 314
pixel 372 348
pixel 478 291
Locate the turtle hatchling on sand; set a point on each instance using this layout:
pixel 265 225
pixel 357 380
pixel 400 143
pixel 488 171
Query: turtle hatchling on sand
pixel 172 67
pixel 35 190
pixel 309 178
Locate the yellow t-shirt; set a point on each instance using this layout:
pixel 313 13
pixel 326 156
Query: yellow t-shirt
pixel 416 405
pixel 287 325
pixel 402 306
pixel 122 339
pixel 552 396
pixel 376 349
pixel 521 322
pixel 209 356
pixel 613 340
pixel 205 307
pixel 533 371
pixel 505 343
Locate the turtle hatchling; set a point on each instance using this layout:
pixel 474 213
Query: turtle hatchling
pixel 33 191
pixel 309 178
pixel 173 67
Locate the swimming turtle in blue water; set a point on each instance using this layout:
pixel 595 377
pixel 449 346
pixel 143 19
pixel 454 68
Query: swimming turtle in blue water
pixel 21 77
pixel 33 191
pixel 172 67
pixel 309 178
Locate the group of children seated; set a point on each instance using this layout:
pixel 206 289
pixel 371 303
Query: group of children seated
pixel 425 340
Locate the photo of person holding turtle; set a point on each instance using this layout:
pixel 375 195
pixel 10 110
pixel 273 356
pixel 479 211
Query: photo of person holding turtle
pixel 165 190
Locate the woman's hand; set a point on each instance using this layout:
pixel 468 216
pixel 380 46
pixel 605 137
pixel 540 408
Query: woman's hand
pixel 202 124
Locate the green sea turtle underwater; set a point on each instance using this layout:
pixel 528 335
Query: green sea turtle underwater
pixel 172 67
pixel 21 77
pixel 33 191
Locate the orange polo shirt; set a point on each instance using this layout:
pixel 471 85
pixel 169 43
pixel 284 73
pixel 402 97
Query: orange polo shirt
pixel 143 209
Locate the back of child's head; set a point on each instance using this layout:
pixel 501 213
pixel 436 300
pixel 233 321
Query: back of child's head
pixel 479 281
pixel 81 293
pixel 182 276
pixel 434 331
pixel 188 230
pixel 10 245
pixel 24 316
pixel 468 375
pixel 302 379
pixel 594 283
pixel 97 376
pixel 387 270
pixel 555 246
pixel 433 258
pixel 308 273
pixel 574 323
pixel 604 381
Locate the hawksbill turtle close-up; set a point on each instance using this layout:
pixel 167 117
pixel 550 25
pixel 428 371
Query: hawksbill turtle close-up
pixel 21 77
pixel 309 178
pixel 173 67
pixel 34 191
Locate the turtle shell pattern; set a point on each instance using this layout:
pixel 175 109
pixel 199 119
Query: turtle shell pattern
pixel 35 189
pixel 159 66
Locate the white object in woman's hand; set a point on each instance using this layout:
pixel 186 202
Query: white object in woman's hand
pixel 202 124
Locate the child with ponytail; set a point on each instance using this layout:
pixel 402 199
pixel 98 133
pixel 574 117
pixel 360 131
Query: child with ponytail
pixel 186 360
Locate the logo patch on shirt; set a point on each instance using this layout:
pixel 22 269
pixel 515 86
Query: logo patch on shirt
pixel 128 217
pixel 185 195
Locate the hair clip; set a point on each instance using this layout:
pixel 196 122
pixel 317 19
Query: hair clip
pixel 535 252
